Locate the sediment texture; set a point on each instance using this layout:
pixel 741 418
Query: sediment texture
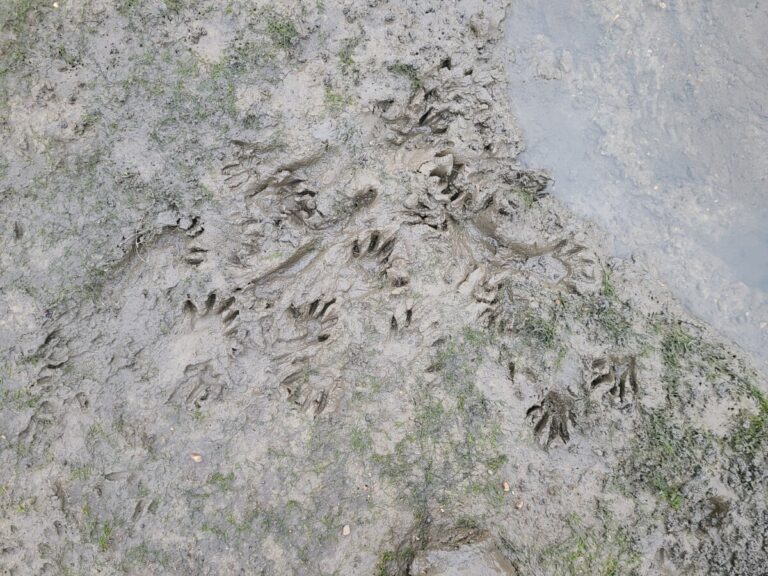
pixel 279 299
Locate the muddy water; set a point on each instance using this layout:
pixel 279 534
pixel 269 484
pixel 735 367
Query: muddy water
pixel 652 117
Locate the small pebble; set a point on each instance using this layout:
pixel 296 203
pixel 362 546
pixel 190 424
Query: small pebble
pixel 505 486
pixel 346 530
pixel 196 457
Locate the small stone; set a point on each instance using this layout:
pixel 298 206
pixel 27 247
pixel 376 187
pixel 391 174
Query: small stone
pixel 505 486
pixel 346 530
pixel 519 504
pixel 196 457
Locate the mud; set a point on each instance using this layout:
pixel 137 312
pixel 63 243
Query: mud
pixel 279 298
pixel 651 120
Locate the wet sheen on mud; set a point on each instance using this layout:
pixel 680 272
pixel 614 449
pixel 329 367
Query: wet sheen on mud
pixel 653 120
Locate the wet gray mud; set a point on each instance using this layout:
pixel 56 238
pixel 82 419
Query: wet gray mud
pixel 653 120
pixel 279 297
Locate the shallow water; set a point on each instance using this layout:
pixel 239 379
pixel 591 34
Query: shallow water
pixel 652 118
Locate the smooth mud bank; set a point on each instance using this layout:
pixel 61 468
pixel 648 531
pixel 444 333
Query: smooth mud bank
pixel 653 121
pixel 278 297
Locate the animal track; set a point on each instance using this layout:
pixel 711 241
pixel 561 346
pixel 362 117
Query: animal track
pixel 315 318
pixel 484 286
pixel 195 255
pixel 374 245
pixel 397 273
pixel 402 316
pixel 530 184
pixel 303 330
pixel 39 433
pixel 192 225
pixel 53 354
pixel 305 390
pixel 374 249
pixel 52 351
pixel 427 211
pixel 225 309
pixel 579 266
pixel 445 196
pixel 302 206
pixel 426 112
pixel 290 196
pixel 555 411
pixel 199 384
pixel 562 264
pixel 612 377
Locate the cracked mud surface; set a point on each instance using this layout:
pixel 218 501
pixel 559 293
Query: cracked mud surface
pixel 277 296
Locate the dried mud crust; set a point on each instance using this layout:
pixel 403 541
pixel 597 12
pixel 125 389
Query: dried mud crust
pixel 326 327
